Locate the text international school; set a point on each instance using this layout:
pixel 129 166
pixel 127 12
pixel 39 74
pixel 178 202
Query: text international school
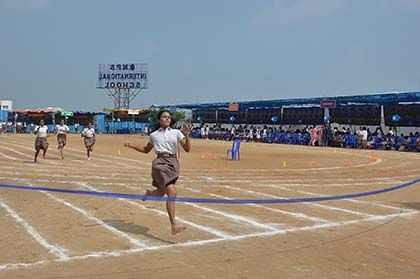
pixel 119 80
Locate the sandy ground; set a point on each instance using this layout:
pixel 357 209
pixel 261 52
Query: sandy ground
pixel 59 235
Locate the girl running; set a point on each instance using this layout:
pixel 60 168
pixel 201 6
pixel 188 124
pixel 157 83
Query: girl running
pixel 165 167
pixel 41 142
pixel 89 139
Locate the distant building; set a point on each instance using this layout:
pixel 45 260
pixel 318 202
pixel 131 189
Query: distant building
pixel 6 105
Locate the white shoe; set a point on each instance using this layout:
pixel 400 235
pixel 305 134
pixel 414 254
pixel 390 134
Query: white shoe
pixel 88 158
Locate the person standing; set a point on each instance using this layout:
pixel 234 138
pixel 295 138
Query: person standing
pixel 206 131
pixel 31 127
pixel 18 127
pixel 41 142
pixel 165 167
pixel 89 139
pixel 314 136
pixel 324 135
pixel 363 138
pixel 9 127
pixel 76 128
pixel 61 131
pixel 202 132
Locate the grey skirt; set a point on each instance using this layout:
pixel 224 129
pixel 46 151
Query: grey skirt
pixel 41 143
pixel 89 141
pixel 165 171
pixel 62 139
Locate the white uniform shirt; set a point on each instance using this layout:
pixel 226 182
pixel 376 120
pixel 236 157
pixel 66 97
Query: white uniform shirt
pixel 166 141
pixel 88 132
pixel 364 134
pixel 41 131
pixel 62 129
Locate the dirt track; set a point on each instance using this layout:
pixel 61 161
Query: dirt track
pixel 56 235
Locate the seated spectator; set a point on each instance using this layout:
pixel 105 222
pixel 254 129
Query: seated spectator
pixel 370 143
pixel 418 144
pixel 388 142
pixel 404 144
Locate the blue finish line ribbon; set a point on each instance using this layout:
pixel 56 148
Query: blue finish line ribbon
pixel 203 200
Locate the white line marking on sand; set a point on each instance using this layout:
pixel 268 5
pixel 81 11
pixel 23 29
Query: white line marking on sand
pixel 133 241
pixel 350 200
pixel 199 227
pixel 300 216
pixel 118 253
pixel 8 157
pixel 59 252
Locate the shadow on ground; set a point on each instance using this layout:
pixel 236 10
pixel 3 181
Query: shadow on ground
pixel 121 225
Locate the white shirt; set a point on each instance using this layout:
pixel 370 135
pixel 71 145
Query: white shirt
pixel 41 132
pixel 88 132
pixel 166 141
pixel 364 134
pixel 62 129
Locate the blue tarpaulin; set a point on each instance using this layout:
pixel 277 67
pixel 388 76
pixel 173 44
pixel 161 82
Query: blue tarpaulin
pixel 377 99
pixel 3 115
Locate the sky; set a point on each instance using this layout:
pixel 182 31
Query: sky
pixel 207 51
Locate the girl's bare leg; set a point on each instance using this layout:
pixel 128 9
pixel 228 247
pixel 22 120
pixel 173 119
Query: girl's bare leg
pixel 36 155
pixel 60 147
pixel 156 192
pixel 170 207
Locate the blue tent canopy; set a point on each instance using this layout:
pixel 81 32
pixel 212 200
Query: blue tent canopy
pixel 372 99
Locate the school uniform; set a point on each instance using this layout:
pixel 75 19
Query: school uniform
pixel 89 137
pixel 41 138
pixel 61 134
pixel 165 167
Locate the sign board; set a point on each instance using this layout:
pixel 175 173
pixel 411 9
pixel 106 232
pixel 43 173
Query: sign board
pixel 122 76
pixel 6 105
pixel 133 111
pixel 66 113
pixel 233 107
pixel 328 104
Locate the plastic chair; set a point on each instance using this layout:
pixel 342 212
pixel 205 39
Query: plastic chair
pixel 235 150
